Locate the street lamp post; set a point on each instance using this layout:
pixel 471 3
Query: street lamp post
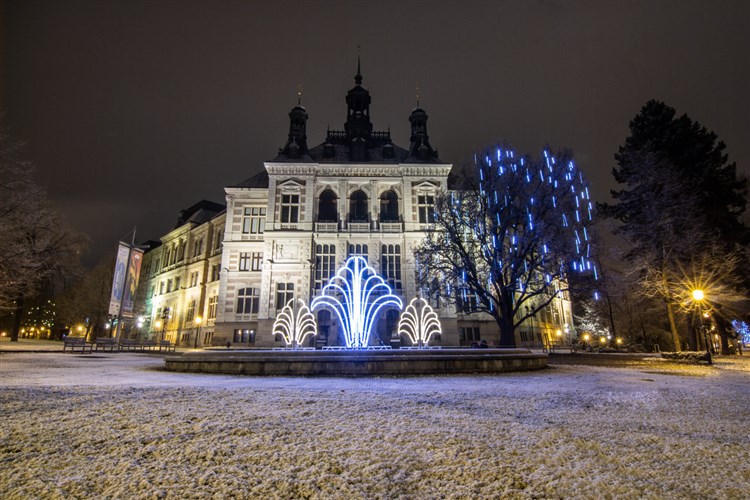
pixel 699 297
pixel 198 321
pixel 157 326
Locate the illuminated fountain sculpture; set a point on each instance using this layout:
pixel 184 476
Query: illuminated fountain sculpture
pixel 357 295
pixel 419 324
pixel 295 326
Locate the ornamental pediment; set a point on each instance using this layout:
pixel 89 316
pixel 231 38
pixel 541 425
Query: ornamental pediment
pixel 290 186
pixel 426 185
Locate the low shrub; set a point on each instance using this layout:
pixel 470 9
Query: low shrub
pixel 689 356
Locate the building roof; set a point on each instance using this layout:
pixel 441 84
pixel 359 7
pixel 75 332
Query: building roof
pixel 259 180
pixel 201 212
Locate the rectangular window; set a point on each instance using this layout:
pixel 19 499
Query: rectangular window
pixel 177 283
pixel 219 237
pixel 215 272
pixel 325 264
pixel 161 288
pixel 469 335
pixel 190 314
pixel 290 208
pixel 426 208
pixel 244 336
pixel 194 278
pixel 244 261
pixel 284 293
pixel 254 220
pixel 169 286
pixel 256 263
pixel 390 265
pixel 247 302
pixel 467 301
pixel 213 302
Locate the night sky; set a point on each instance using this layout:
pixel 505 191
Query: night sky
pixel 132 111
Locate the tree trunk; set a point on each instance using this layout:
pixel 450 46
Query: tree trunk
pixel 17 319
pixel 670 312
pixel 611 316
pixel 673 328
pixel 505 322
pixel 721 326
pixel 507 334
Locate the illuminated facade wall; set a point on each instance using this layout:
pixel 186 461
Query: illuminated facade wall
pixel 183 278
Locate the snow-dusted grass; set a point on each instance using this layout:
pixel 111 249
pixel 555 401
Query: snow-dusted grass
pixel 115 426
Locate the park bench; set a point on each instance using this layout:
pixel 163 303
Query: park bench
pixel 166 345
pixel 104 343
pixel 561 346
pixel 148 344
pixel 129 345
pixel 77 343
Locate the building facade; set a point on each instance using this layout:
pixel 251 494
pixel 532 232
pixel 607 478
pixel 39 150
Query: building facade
pixel 181 278
pixel 288 229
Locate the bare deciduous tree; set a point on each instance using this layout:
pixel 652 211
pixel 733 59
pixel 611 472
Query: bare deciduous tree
pixel 508 247
pixel 37 245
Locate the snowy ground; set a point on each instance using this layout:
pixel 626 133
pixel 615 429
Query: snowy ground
pixel 115 426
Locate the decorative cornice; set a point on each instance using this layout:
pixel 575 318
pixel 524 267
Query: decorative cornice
pixel 358 169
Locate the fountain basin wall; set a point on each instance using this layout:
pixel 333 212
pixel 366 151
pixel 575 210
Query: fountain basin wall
pixel 356 362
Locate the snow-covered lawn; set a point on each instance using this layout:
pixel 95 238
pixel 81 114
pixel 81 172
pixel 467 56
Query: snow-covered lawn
pixel 116 426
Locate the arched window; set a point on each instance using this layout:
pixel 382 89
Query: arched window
pixel 389 207
pixel 327 207
pixel 358 207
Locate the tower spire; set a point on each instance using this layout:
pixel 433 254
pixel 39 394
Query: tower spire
pixel 358 77
pixel 299 94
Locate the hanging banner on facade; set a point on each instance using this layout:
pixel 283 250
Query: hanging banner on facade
pixel 131 283
pixel 125 280
pixel 118 281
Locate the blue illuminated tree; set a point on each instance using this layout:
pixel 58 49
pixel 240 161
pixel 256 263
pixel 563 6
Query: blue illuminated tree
pixel 507 246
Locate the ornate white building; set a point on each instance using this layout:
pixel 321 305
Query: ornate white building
pixel 287 230
pixel 291 227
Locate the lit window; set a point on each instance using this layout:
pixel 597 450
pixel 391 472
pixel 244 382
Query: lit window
pixel 244 261
pixel 391 265
pixel 247 302
pixel 290 208
pixel 190 313
pixel 254 220
pixel 213 302
pixel 325 264
pixel 256 261
pixel 284 293
pixel 426 208
pixel 357 250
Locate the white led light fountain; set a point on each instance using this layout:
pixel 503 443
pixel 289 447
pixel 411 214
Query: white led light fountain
pixel 419 322
pixel 357 295
pixel 295 326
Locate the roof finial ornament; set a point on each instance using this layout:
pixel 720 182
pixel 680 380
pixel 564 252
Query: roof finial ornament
pixel 358 77
pixel 417 95
pixel 299 94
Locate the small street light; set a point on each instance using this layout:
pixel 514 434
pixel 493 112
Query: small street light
pixel 198 321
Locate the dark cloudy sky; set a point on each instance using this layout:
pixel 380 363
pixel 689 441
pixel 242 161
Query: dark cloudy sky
pixel 134 110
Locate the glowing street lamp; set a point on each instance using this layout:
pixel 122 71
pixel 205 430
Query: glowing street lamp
pixel 699 296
